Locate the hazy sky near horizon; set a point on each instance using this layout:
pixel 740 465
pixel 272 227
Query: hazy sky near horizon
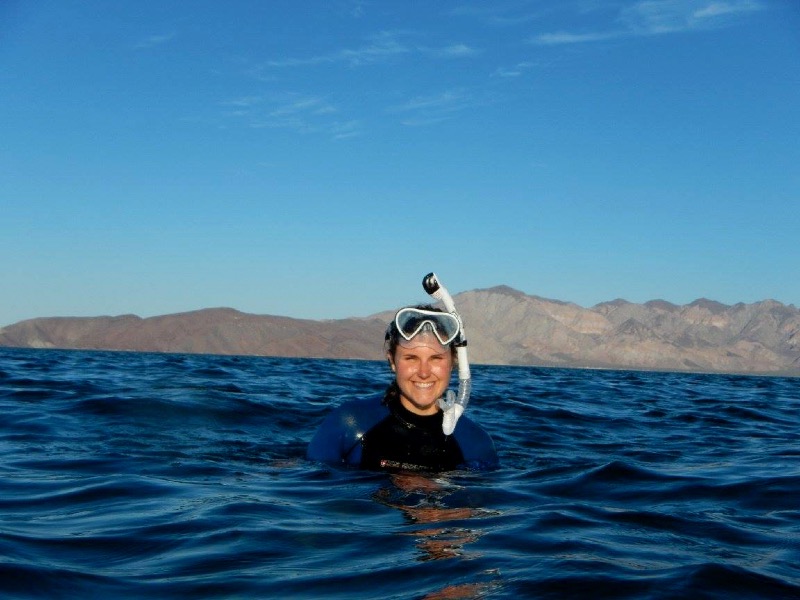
pixel 315 159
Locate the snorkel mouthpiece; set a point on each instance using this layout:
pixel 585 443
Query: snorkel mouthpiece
pixel 453 405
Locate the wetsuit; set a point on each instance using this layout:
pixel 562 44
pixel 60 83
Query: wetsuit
pixel 384 435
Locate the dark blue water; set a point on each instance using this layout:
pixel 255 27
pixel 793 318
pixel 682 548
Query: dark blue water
pixel 183 476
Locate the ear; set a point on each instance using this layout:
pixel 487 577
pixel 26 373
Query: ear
pixel 391 362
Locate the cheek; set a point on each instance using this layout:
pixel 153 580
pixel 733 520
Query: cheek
pixel 443 369
pixel 403 369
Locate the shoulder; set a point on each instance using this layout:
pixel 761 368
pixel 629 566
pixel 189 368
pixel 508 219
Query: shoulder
pixel 362 412
pixel 476 445
pixel 342 428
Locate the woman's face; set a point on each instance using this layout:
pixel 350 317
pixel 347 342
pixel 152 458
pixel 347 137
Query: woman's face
pixel 423 368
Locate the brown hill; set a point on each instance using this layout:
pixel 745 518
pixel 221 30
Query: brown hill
pixel 504 326
pixel 208 331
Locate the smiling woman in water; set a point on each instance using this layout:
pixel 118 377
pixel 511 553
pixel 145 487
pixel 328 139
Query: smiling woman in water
pixel 414 426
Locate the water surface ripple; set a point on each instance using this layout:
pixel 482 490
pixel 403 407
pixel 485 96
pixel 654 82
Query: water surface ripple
pixel 130 475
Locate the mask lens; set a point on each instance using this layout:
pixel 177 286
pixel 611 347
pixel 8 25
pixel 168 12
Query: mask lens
pixel 410 321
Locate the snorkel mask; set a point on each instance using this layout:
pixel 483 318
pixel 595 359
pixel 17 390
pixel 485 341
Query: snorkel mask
pixel 411 322
pixel 446 326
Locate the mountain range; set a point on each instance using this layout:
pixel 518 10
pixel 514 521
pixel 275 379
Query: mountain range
pixel 503 325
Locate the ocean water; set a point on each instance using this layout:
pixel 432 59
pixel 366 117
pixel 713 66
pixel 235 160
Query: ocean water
pixel 129 475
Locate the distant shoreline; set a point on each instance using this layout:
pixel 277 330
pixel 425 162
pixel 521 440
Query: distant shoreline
pixel 786 375
pixel 505 327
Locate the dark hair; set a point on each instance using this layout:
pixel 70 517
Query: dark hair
pixel 393 335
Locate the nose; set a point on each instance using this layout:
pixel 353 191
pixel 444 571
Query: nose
pixel 424 369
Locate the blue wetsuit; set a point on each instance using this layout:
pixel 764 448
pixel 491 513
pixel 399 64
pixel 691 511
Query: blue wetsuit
pixel 384 435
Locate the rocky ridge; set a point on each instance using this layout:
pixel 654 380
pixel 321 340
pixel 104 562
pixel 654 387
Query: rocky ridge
pixel 504 326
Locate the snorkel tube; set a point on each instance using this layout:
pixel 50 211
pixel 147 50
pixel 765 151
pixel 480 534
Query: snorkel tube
pixel 453 405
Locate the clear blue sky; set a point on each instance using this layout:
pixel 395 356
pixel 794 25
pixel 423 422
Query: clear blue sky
pixel 316 159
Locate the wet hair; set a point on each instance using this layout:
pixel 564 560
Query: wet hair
pixel 393 334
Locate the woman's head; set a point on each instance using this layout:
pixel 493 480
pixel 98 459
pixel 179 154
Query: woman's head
pixel 421 362
pixel 421 320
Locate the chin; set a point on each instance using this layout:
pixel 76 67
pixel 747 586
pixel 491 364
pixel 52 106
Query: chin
pixel 430 406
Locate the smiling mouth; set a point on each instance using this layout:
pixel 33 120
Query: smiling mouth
pixel 423 385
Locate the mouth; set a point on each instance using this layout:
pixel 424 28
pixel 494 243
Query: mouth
pixel 423 385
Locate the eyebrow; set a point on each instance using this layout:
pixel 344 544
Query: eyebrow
pixel 411 352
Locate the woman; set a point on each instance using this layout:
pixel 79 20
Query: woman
pixel 403 431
